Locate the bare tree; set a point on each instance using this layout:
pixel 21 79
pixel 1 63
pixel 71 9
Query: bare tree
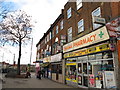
pixel 5 7
pixel 16 28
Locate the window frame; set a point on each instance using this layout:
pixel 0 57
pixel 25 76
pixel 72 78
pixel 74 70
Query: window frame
pixel 57 29
pixel 81 25
pixel 61 25
pixel 69 13
pixel 98 9
pixel 69 34
pixel 52 33
pixel 79 4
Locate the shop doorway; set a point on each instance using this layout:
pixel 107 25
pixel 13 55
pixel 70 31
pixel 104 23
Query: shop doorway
pixel 82 74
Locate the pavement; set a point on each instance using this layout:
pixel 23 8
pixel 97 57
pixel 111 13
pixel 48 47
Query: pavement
pixel 32 82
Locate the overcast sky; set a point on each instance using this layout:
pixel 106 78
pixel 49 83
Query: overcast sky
pixel 44 12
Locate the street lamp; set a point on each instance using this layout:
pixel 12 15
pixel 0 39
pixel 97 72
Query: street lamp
pixel 29 65
pixel 31 50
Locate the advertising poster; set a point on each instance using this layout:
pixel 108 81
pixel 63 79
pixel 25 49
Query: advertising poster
pixel 91 80
pixel 98 84
pixel 79 80
pixel 109 79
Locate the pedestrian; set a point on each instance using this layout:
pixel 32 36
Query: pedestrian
pixel 43 73
pixel 28 75
pixel 39 74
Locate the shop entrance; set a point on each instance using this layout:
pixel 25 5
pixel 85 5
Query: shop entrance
pixel 82 71
pixel 82 74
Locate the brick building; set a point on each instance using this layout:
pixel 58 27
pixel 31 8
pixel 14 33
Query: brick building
pixel 81 48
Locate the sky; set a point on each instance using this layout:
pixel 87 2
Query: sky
pixel 44 12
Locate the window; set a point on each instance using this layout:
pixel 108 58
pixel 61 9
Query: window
pixel 50 35
pixel 79 4
pixel 97 13
pixel 50 48
pixel 70 34
pixel 38 47
pixel 47 37
pixel 61 25
pixel 69 13
pixel 80 26
pixel 56 29
pixel 45 40
pixel 71 72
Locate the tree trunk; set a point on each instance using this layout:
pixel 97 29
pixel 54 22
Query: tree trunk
pixel 19 57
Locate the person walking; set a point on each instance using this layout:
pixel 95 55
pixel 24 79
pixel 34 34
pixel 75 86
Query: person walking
pixel 39 74
pixel 43 73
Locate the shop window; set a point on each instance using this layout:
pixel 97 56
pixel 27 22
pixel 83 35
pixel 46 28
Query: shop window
pixel 107 55
pixel 91 57
pixel 107 65
pixel 85 68
pixel 60 69
pixel 71 72
pixel 79 68
pixel 84 58
pixel 90 68
pixel 54 68
pixel 96 71
pixel 99 56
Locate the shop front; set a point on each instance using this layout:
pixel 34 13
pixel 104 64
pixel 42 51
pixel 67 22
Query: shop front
pixel 92 66
pixel 56 68
pixel 46 67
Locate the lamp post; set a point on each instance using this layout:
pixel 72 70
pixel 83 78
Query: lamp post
pixel 31 53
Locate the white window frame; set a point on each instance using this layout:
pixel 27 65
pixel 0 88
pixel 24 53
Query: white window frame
pixel 57 29
pixel 69 14
pixel 70 34
pixel 81 26
pixel 61 25
pixel 79 4
pixel 96 12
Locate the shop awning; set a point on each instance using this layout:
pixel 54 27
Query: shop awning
pixel 38 62
pixel 45 64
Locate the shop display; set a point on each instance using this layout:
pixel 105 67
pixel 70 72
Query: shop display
pixel 109 79
pixel 71 72
pixel 91 80
pixel 79 80
pixel 88 70
pixel 99 56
